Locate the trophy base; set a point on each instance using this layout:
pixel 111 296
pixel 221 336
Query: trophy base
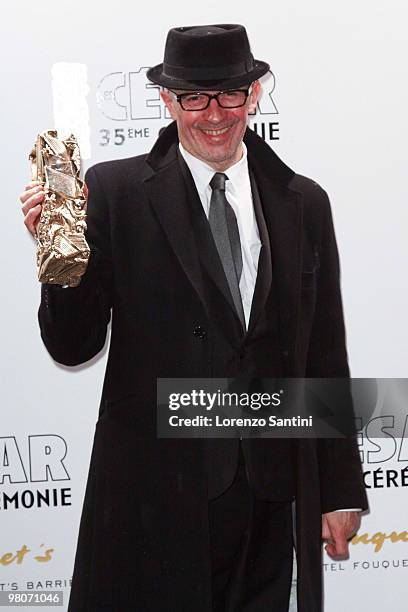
pixel 66 262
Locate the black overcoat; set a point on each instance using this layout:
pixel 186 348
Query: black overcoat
pixel 144 542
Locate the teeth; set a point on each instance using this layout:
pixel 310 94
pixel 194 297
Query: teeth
pixel 216 132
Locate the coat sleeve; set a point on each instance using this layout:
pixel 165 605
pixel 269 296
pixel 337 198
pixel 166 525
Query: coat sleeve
pixel 73 320
pixel 340 472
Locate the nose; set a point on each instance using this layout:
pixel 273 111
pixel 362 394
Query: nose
pixel 214 111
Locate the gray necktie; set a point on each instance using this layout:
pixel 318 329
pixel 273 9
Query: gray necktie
pixel 225 232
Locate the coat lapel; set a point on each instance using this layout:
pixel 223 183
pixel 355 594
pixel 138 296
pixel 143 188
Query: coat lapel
pixel 282 210
pixel 169 200
pixel 284 219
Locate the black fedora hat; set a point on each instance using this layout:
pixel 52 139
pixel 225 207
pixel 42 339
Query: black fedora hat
pixel 207 57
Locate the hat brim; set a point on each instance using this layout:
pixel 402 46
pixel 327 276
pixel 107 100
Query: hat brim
pixel 156 75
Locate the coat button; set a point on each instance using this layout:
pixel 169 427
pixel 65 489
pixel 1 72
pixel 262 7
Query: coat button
pixel 200 332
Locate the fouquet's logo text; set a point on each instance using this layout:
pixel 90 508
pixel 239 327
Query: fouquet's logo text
pixel 379 538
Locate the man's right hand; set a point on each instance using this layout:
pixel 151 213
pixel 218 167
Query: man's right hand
pixel 31 201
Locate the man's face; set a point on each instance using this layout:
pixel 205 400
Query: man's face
pixel 215 134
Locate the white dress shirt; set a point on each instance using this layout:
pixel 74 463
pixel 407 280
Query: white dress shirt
pixel 239 195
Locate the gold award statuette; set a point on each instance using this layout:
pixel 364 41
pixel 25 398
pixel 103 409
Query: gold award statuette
pixel 62 251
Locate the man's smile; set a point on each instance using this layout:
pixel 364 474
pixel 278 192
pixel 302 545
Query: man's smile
pixel 215 132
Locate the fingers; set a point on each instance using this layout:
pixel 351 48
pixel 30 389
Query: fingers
pixel 334 535
pixel 34 194
pixel 337 529
pixel 326 533
pixel 355 525
pixel 31 200
pixel 331 550
pixel 339 546
pixel 32 184
pixel 337 552
pixel 30 188
pixel 32 218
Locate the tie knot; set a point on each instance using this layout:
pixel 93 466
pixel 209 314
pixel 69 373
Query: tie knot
pixel 218 181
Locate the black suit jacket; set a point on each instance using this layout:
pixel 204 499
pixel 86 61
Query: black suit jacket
pixel 146 499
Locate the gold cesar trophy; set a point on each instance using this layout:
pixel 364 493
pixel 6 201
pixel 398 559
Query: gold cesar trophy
pixel 62 251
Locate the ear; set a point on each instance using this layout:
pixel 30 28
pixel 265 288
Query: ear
pixel 169 102
pixel 253 98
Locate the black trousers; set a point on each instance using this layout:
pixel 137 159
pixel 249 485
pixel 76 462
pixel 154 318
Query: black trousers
pixel 251 550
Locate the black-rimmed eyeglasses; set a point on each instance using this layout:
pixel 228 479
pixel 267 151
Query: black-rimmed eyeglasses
pixel 198 100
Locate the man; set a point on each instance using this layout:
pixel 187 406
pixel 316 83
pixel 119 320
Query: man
pixel 217 260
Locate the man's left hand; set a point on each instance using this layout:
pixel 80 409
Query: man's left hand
pixel 337 529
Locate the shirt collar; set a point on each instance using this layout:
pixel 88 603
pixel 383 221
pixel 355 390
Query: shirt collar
pixel 202 173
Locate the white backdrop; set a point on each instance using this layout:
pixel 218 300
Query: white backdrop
pixel 335 107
